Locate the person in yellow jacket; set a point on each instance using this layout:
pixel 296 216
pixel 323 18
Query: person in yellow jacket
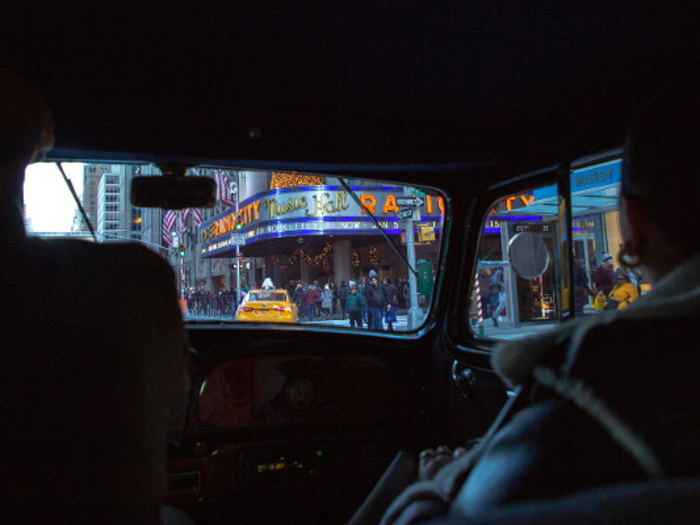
pixel 624 292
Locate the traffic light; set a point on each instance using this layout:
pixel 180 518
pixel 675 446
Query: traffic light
pixel 182 249
pixel 238 225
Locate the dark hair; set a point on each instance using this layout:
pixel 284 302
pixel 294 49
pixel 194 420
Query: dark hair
pixel 26 121
pixel 661 160
pixel 388 279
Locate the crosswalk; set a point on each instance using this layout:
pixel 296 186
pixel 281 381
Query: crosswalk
pixel 399 325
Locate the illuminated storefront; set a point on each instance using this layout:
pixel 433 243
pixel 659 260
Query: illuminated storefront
pixel 595 191
pixel 325 228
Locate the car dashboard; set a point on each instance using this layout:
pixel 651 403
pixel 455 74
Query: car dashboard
pixel 322 421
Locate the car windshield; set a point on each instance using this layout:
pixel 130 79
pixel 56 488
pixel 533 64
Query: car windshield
pixel 315 236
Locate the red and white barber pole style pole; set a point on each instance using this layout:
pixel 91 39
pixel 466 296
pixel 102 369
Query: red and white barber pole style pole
pixel 478 304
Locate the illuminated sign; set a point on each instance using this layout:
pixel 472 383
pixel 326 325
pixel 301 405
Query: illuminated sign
pixel 594 177
pixel 316 210
pixel 514 202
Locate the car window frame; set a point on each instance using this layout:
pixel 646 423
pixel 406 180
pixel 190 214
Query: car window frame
pixel 462 340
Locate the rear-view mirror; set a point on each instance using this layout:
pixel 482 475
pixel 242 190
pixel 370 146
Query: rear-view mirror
pixel 173 192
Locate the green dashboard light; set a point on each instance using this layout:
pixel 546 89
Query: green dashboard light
pixel 319 453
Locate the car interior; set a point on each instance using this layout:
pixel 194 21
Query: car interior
pixel 499 108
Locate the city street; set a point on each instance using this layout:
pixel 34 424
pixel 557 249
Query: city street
pixel 490 331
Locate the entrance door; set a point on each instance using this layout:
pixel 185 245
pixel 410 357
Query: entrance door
pixel 584 250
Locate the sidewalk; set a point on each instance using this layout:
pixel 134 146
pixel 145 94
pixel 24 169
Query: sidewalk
pixel 399 311
pixel 503 331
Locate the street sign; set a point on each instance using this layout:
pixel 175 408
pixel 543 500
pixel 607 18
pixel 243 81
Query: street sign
pixel 238 239
pixel 404 214
pixel 410 201
pixel 182 267
pixel 239 256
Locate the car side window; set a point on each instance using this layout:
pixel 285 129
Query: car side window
pixel 516 290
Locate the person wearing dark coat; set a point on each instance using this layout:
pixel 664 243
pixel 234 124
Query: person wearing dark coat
pixel 604 275
pixel 355 305
pixel 581 423
pixel 309 299
pixel 376 301
pixel 342 295
pixel 298 297
pixel 580 287
pixel 392 299
pixel 399 288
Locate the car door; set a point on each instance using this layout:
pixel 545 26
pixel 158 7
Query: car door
pixel 468 393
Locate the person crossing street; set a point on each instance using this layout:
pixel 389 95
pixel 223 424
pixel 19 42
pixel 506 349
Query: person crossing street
pixel 355 305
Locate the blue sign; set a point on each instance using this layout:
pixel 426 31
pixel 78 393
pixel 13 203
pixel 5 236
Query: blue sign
pixel 589 178
pixel 602 175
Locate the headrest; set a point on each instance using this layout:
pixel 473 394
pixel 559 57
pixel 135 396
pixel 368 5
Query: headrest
pixel 26 121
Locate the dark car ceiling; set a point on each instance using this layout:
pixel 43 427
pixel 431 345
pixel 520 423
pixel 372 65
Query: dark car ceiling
pixel 358 83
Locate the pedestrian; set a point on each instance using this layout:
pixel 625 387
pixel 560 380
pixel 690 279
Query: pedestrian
pixel 317 304
pixel 392 300
pixel 309 298
pixel 376 302
pixel 623 294
pixel 580 287
pixel 361 288
pixel 399 288
pixel 406 294
pixel 334 290
pixel 355 304
pixel 372 273
pixel 298 297
pixel 496 287
pixel 604 275
pixel 326 303
pixel 343 294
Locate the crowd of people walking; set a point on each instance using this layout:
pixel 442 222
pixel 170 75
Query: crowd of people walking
pixel 203 303
pixel 367 302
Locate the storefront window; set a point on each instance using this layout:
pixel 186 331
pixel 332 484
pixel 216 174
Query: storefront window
pixel 520 306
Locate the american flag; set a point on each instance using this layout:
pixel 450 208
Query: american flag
pixel 168 221
pixel 181 224
pixel 224 194
pixel 197 218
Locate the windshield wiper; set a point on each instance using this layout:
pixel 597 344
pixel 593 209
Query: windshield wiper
pixel 76 199
pixel 376 222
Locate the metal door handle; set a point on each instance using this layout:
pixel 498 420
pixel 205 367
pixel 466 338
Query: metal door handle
pixel 464 378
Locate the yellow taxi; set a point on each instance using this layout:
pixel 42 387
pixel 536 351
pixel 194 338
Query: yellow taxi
pixel 271 306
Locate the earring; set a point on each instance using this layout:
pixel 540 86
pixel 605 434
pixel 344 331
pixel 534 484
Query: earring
pixel 627 261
